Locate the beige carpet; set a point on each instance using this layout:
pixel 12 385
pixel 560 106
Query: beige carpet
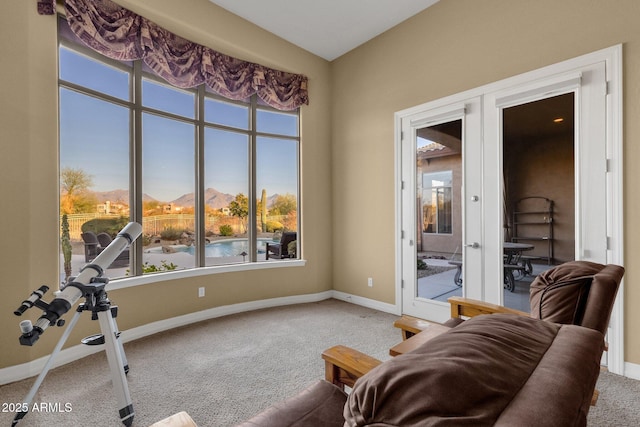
pixel 224 370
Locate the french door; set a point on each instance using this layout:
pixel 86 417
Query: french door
pixel 441 215
pixel 450 203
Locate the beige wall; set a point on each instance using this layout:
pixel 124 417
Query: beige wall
pixel 29 168
pixel 347 148
pixel 453 46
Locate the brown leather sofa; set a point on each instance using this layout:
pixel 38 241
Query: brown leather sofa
pixel 575 293
pixel 504 369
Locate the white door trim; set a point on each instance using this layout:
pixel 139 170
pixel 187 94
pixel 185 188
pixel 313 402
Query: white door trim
pixel 612 57
pixel 469 113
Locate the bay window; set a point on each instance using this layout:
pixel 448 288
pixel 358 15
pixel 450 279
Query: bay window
pixel 211 180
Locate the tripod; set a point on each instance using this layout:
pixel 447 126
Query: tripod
pixel 98 304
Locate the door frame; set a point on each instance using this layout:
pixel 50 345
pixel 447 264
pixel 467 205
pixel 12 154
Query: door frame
pixel 469 112
pixel 612 57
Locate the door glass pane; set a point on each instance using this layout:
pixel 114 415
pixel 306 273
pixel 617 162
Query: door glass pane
pixel 226 179
pixel 439 231
pixel 168 186
pixel 539 192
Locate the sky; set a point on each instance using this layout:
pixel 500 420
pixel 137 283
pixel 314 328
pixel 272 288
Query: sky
pixel 94 137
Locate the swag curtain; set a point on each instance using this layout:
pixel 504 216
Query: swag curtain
pixel 122 35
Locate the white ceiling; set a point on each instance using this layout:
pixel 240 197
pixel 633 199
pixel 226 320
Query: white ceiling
pixel 327 28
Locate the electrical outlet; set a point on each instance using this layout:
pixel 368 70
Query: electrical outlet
pixel 200 292
pixel 370 282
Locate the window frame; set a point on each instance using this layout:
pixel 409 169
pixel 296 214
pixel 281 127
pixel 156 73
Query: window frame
pixel 136 108
pixel 440 194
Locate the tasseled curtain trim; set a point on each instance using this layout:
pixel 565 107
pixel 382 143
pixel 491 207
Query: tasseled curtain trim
pixel 120 34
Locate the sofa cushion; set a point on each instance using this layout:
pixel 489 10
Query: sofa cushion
pixel 473 376
pixel 318 405
pixel 559 295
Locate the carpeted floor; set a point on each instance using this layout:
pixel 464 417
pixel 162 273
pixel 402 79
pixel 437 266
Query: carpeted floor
pixel 225 370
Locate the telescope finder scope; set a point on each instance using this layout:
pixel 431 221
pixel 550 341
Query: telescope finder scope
pixel 88 283
pixel 32 300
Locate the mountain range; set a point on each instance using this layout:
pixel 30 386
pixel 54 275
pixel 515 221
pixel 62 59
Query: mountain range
pixel 213 198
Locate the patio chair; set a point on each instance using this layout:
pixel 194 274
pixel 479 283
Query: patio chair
pixel 121 260
pixel 281 250
pixel 91 246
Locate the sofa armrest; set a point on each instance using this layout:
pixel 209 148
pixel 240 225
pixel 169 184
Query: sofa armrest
pixel 344 365
pixel 410 326
pixel 470 307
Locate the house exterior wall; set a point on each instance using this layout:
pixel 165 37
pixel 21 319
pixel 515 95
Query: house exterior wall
pixel 453 46
pixel 444 244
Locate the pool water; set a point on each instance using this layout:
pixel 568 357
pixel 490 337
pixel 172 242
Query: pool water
pixel 226 248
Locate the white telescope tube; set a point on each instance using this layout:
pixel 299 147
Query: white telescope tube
pixel 73 291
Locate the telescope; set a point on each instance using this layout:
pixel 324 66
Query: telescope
pixel 90 277
pixel 90 284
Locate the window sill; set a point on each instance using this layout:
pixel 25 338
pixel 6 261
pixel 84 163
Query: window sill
pixel 128 282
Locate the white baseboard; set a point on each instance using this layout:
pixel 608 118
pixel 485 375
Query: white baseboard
pixel 366 302
pixel 632 370
pixel 33 368
pixel 212 313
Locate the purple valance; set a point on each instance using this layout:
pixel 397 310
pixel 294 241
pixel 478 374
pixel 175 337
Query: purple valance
pixel 122 35
pixel 45 7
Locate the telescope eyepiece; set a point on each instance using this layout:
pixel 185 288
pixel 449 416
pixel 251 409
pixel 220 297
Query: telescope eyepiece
pixel 26 327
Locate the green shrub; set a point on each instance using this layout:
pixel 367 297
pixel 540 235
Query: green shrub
pixel 171 233
pixel 421 264
pixel 111 226
pixel 292 248
pixel 273 226
pixel 226 230
pixel 65 242
pixel 152 268
pixel 146 240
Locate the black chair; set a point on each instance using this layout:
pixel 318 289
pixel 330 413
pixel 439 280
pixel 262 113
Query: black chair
pixel 281 250
pixel 121 260
pixel 91 246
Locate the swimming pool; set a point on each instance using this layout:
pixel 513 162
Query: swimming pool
pixel 219 248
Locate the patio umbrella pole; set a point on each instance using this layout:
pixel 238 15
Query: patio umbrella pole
pixel 91 285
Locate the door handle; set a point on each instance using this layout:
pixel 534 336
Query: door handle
pixel 474 245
